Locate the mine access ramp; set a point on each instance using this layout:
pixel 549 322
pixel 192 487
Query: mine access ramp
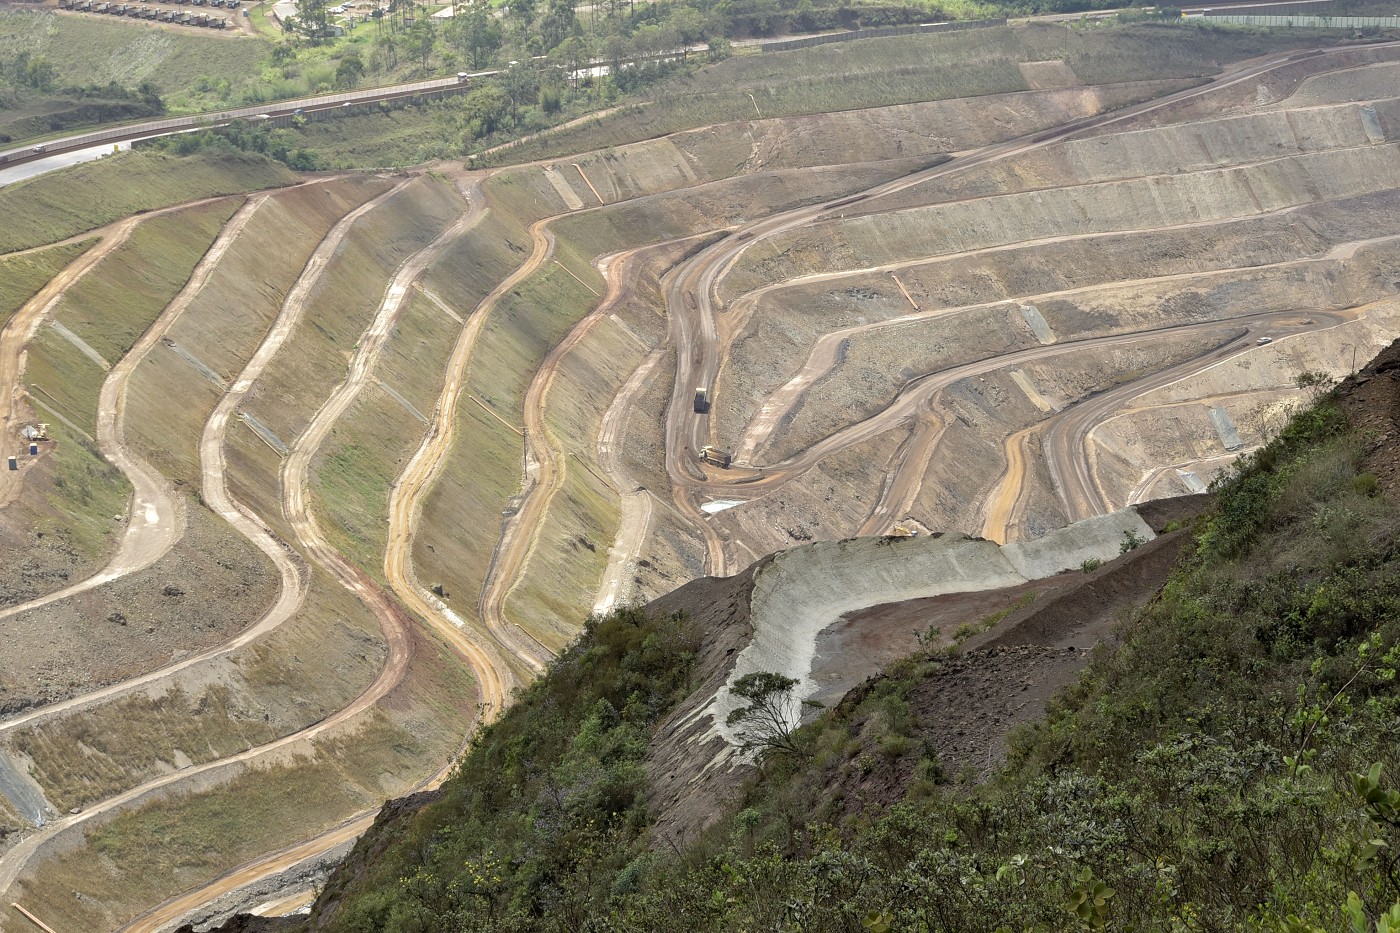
pixel 720 458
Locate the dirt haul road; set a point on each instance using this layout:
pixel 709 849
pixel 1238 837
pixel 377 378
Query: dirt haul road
pixel 405 500
pixel 826 351
pixel 214 491
pixel 20 329
pixel 394 625
pixel 544 466
pixel 22 326
pixel 293 575
pixel 155 519
pixel 690 304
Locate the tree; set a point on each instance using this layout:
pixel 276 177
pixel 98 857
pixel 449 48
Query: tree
pixel 572 55
pixel 689 26
pixel 485 110
pixel 350 70
pixel 557 24
pixel 771 716
pixel 386 52
pixel 522 86
pixel 311 17
pixel 419 40
pixel 477 34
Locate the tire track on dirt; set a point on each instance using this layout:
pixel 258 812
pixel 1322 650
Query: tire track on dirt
pixel 217 498
pixel 294 574
pixel 395 626
pixel 826 350
pixel 416 480
pixel 690 302
pixel 156 516
pixel 22 326
pixel 548 471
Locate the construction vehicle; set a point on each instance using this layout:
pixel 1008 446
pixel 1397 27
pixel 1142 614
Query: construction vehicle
pixel 702 400
pixel 719 458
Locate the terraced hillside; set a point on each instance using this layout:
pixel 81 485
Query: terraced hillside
pixel 332 468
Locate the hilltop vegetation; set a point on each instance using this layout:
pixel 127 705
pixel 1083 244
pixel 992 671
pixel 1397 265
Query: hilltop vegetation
pixel 53 207
pixel 1227 765
pixel 531 113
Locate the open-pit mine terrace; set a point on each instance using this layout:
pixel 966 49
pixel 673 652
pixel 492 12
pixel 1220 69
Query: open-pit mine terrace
pixel 330 469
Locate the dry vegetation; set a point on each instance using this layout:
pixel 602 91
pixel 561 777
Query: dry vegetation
pixel 1155 228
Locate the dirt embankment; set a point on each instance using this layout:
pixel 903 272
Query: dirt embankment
pixel 1000 679
pixel 1371 399
pixel 719 607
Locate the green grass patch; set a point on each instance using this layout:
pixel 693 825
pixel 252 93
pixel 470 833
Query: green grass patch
pixel 313 361
pixel 561 579
pixel 61 204
pixel 351 480
pixel 175 843
pixel 899 70
pixel 192 72
pixel 111 306
pixel 373 442
pixel 477 480
pixel 418 132
pixel 61 376
pixel 145 856
pixel 21 277
pixel 95 753
pixel 87 492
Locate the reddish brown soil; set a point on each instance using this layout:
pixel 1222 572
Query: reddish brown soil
pixel 1007 676
pixel 1371 400
pixel 873 638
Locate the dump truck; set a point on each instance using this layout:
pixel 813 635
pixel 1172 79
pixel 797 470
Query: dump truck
pixel 720 458
pixel 702 400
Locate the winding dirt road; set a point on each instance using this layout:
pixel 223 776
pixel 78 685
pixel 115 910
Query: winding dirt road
pixel 156 516
pixel 20 329
pixel 395 626
pixel 691 307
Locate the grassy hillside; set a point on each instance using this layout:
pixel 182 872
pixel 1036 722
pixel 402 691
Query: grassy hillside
pixel 22 276
pixel 1228 765
pixel 60 205
pixel 91 50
